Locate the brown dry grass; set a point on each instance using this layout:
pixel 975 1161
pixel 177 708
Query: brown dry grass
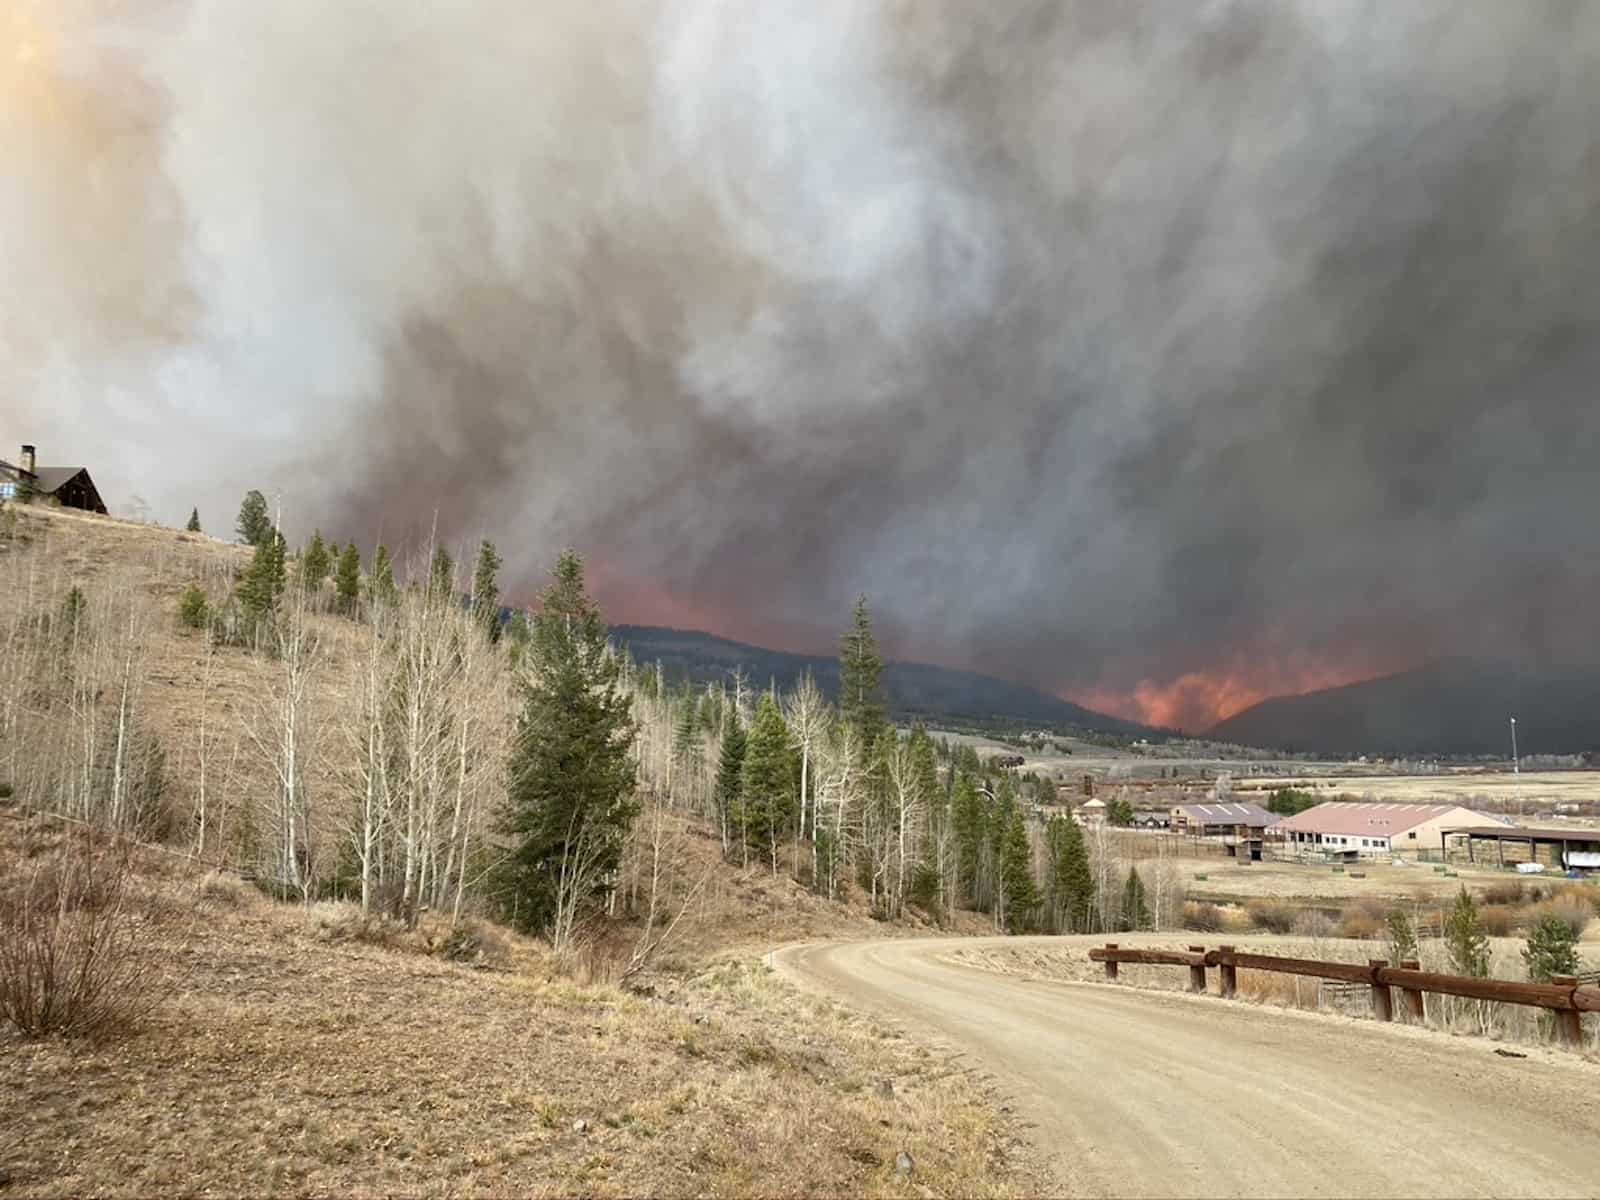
pixel 292 1063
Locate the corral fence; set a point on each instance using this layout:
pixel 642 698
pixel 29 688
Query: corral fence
pixel 1565 997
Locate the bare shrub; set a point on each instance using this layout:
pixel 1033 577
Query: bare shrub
pixel 74 952
pixel 1268 987
pixel 1363 920
pixel 341 921
pixel 223 890
pixel 1272 915
pixel 1571 907
pixel 1505 891
pixel 476 942
pixel 1313 923
pixel 1202 916
pixel 1500 919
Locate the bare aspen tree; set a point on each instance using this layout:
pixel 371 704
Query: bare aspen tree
pixel 806 710
pixel 368 742
pixel 283 733
pixel 903 790
pixel 205 738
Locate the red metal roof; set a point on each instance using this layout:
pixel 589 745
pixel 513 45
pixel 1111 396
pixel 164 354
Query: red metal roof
pixel 1368 820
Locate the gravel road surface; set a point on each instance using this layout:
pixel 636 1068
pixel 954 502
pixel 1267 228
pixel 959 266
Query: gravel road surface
pixel 1138 1093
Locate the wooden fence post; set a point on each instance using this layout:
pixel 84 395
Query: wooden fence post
pixel 1197 974
pixel 1230 975
pixel 1569 1021
pixel 1111 966
pixel 1413 996
pixel 1382 998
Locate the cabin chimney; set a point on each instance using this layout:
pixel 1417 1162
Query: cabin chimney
pixel 27 460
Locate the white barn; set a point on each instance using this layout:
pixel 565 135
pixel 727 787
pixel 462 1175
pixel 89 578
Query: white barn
pixel 1370 830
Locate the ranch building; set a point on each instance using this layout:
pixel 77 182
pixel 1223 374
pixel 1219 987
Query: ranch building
pixel 1348 831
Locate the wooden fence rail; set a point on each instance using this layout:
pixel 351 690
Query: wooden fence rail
pixel 1564 995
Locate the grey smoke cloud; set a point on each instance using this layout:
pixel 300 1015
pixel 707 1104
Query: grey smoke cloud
pixel 1214 348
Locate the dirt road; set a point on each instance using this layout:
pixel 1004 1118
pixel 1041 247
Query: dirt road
pixel 1132 1093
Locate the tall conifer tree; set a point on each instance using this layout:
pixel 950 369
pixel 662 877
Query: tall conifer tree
pixel 381 586
pixel 767 799
pixel 255 520
pixel 861 678
pixel 315 565
pixel 570 780
pixel 347 579
pixel 486 589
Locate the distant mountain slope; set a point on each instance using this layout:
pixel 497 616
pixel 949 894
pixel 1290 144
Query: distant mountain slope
pixel 913 689
pixel 1457 707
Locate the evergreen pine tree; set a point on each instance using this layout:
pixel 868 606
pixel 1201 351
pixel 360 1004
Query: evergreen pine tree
pixel 1552 949
pixel 923 766
pixel 194 521
pixel 730 772
pixel 767 798
pixel 315 565
pixel 968 817
pixel 347 579
pixel 860 678
pixel 685 735
pixel 1402 938
pixel 1135 911
pixel 381 586
pixel 486 589
pixel 1466 937
pixel 570 779
pixel 255 520
pixel 263 582
pixel 1016 874
pixel 441 572
pixel 518 633
pixel 1072 880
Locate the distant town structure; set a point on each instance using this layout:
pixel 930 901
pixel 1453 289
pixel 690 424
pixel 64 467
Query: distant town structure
pixel 1346 830
pixel 1091 812
pixel 71 487
pixel 1242 828
pixel 1219 820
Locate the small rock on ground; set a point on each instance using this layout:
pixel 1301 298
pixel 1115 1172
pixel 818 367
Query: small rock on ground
pixel 903 1163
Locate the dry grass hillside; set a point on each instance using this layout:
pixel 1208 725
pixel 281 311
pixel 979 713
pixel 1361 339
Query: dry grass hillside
pixel 301 1048
pixel 192 695
pixel 302 1052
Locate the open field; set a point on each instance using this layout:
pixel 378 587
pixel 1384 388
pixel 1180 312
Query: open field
pixel 1529 792
pixel 299 1055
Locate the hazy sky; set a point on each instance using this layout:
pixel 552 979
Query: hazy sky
pixel 1161 354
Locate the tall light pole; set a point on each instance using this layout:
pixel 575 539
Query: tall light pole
pixel 1516 763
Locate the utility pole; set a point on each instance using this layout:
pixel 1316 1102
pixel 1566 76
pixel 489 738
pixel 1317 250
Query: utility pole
pixel 1516 763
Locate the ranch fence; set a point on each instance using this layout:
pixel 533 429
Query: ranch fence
pixel 1566 997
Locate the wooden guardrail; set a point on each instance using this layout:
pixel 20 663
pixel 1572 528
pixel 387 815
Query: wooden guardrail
pixel 1564 995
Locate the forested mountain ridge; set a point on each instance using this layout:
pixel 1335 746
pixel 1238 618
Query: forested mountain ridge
pixel 913 690
pixel 1460 707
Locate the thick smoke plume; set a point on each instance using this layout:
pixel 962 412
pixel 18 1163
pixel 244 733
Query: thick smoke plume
pixel 1160 354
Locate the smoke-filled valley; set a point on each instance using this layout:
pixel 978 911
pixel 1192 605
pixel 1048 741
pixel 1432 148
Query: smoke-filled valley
pixel 1163 357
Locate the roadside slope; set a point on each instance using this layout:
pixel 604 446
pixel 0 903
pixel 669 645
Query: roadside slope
pixel 1137 1094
